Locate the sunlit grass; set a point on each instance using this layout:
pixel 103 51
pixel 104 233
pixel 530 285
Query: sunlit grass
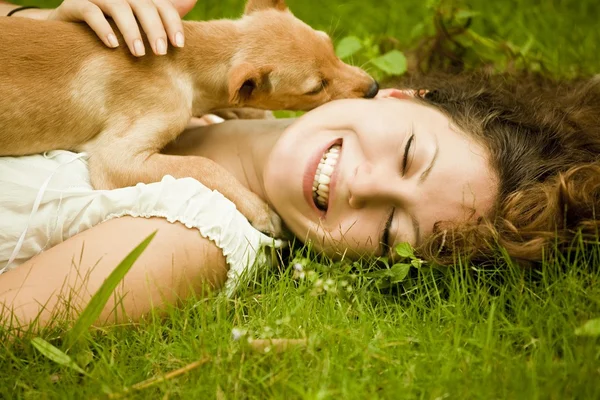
pixel 501 333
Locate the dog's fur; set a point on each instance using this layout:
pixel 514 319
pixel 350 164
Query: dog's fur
pixel 61 89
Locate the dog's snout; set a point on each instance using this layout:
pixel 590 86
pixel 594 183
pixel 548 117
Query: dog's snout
pixel 373 90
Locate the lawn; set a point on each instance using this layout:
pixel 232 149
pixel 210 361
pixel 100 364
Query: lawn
pixel 461 333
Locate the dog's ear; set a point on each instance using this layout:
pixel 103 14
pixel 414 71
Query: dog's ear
pixel 260 5
pixel 246 80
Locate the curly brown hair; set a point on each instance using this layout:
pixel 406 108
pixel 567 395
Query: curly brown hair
pixel 544 140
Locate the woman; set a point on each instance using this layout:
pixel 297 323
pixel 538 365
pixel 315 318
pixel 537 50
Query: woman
pixel 465 166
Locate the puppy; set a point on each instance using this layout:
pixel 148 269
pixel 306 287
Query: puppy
pixel 60 88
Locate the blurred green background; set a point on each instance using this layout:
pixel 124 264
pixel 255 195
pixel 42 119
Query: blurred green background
pixel 566 32
pixel 557 36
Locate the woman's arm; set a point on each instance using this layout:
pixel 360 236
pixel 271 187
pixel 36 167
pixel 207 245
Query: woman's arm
pixel 159 19
pixel 177 263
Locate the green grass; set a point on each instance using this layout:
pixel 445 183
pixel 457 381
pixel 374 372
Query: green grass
pixel 464 334
pixel 496 334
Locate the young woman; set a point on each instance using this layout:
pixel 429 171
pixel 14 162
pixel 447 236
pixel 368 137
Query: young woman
pixel 463 166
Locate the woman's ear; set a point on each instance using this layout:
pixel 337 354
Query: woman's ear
pixel 402 94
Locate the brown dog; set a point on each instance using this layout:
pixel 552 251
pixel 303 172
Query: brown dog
pixel 61 89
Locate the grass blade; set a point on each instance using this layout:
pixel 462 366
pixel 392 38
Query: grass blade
pixel 159 379
pixel 98 301
pixel 55 354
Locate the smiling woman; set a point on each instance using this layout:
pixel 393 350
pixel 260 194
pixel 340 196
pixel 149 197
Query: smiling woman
pixel 467 166
pixel 463 166
pixel 458 166
pixel 393 174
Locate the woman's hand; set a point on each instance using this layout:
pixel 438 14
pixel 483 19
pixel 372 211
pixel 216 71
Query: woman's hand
pixel 160 19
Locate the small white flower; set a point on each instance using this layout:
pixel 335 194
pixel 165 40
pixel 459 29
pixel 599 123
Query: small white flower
pixel 298 272
pixel 267 333
pixel 298 267
pixel 237 334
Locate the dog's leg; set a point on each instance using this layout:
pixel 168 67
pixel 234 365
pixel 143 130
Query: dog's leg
pixel 125 160
pixel 153 167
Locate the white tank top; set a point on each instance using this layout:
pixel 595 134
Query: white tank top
pixel 46 199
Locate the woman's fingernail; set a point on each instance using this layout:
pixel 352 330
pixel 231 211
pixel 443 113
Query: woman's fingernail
pixel 161 46
pixel 179 39
pixel 214 119
pixel 138 47
pixel 112 40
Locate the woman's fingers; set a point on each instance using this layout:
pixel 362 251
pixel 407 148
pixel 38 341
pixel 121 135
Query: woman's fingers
pixel 207 119
pixel 172 21
pixel 94 17
pixel 122 14
pixel 149 19
pixel 159 19
pixel 90 13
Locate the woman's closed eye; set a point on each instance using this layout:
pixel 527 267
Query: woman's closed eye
pixel 407 152
pixel 385 237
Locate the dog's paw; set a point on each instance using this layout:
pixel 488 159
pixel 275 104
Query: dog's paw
pixel 257 211
pixel 268 223
pixel 243 113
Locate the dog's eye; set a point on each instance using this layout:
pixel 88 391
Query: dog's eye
pixel 322 85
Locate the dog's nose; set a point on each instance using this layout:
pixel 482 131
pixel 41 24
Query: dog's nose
pixel 373 90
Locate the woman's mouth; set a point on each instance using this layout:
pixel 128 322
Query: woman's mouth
pixel 322 180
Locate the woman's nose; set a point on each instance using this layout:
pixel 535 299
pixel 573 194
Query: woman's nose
pixel 371 184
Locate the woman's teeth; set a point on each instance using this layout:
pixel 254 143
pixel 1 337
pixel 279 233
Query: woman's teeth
pixel 323 177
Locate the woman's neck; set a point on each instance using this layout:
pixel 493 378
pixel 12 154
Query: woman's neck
pixel 240 146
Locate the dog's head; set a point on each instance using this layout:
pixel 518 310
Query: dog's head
pixel 285 64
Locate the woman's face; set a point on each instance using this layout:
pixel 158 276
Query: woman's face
pixel 386 169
